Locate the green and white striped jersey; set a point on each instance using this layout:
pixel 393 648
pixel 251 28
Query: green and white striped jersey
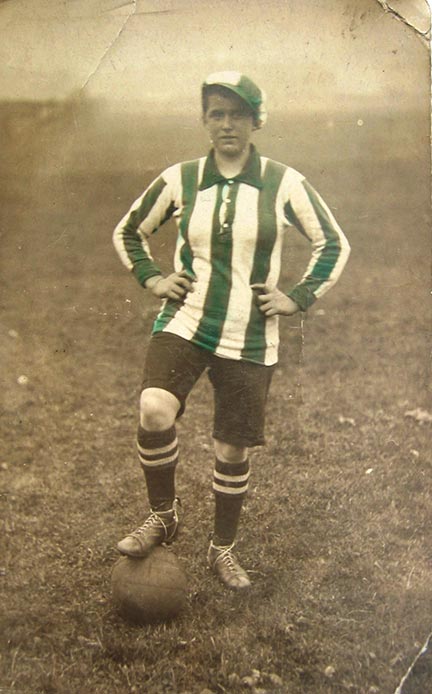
pixel 230 234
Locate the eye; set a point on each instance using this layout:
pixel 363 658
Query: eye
pixel 241 114
pixel 216 115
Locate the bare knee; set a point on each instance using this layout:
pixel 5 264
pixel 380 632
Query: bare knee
pixel 158 409
pixel 227 453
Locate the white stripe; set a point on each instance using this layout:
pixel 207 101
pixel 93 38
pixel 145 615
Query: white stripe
pixel 272 323
pixel 158 463
pixel 231 478
pixel 311 224
pixel 151 222
pixel 158 451
pixel 227 76
pixel 187 319
pixel 178 267
pixel 230 490
pixel 343 255
pixel 118 236
pixel 244 238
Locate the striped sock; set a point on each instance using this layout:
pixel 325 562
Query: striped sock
pixel 230 484
pixel 158 455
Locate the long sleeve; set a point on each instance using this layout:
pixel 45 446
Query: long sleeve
pixel 308 212
pixel 147 214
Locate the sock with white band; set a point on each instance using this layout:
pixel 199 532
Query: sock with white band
pixel 230 484
pixel 158 455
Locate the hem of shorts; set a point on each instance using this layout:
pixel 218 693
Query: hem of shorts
pixel 155 383
pixel 240 441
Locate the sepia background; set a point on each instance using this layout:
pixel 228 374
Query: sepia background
pixel 96 98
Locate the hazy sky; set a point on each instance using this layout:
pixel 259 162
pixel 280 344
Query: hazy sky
pixel 157 52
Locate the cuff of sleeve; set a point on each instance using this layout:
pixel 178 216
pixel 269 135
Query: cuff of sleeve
pixel 143 272
pixel 302 296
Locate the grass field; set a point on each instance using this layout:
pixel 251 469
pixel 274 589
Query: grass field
pixel 336 530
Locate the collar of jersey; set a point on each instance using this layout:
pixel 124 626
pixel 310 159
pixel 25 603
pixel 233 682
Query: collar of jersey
pixel 251 173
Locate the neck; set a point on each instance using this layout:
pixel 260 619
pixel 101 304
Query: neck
pixel 229 166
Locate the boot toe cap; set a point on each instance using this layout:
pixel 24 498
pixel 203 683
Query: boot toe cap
pixel 130 546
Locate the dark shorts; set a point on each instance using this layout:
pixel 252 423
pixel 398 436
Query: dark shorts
pixel 240 387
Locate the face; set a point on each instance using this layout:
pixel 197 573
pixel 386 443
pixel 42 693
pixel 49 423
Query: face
pixel 229 123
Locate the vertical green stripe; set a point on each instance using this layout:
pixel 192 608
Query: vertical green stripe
pixel 168 312
pixel 131 237
pixel 216 302
pixel 293 219
pixel 189 173
pixel 326 262
pixel 189 179
pixel 169 213
pixel 255 344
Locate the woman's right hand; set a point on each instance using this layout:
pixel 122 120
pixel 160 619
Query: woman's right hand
pixel 175 286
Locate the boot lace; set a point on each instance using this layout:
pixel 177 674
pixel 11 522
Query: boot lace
pixel 226 558
pixel 153 521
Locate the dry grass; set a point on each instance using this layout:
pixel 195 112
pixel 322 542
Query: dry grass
pixel 335 530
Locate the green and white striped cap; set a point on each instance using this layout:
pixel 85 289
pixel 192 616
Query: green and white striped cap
pixel 245 89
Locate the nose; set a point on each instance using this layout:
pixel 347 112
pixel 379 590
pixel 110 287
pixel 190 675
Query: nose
pixel 227 122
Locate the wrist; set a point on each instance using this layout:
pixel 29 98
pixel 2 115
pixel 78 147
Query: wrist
pixel 302 296
pixel 151 282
